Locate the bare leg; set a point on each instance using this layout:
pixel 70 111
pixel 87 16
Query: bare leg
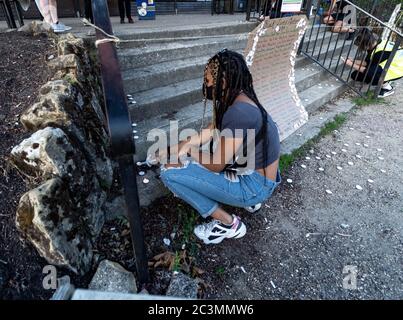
pixel 340 28
pixel 44 9
pixel 222 215
pixel 328 20
pixel 53 11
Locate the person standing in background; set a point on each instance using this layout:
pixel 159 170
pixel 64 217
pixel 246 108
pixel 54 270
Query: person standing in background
pixel 48 9
pixel 88 11
pixel 125 5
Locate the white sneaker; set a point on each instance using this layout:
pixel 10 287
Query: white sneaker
pixel 253 209
pixel 60 27
pixel 216 231
pixel 386 92
pixel 387 86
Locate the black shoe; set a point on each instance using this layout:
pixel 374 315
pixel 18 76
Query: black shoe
pixel 386 93
pixel 131 20
pixel 122 21
pixel 351 35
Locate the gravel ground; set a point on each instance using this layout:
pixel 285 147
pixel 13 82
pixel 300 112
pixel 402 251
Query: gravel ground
pixel 297 246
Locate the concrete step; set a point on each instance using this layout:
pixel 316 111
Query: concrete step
pixel 215 29
pixel 175 95
pixel 155 189
pixel 321 93
pixel 166 99
pixel 157 53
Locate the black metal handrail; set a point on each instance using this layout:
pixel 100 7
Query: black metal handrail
pixel 121 133
pixel 327 50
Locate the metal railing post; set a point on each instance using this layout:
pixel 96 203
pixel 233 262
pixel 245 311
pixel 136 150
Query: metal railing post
pixel 120 131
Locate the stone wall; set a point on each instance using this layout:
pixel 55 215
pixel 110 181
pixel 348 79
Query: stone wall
pixel 67 156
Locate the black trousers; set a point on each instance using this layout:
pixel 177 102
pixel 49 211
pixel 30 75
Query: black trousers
pixel 125 4
pixel 374 71
pixel 88 10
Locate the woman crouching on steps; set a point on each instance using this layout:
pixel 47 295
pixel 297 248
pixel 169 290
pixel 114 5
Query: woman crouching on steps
pixel 205 179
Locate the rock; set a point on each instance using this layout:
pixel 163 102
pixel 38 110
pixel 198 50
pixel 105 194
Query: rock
pixel 47 153
pixel 115 208
pixel 60 103
pixel 47 217
pixel 36 28
pixel 111 276
pixel 65 63
pixel 183 286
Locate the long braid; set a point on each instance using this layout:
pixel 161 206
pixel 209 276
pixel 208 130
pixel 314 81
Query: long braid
pixel 231 66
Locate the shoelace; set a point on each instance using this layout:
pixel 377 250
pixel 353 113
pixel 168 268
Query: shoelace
pixel 208 226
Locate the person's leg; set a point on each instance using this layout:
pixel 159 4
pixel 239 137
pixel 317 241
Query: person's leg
pixel 53 11
pixel 45 11
pixel 88 11
pixel 128 7
pixel 339 27
pixel 121 11
pixel 328 20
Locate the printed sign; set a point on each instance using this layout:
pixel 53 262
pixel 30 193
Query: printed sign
pixel 270 55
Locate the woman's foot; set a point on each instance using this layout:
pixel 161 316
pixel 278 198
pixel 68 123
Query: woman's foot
pixel 216 231
pixel 131 20
pixel 60 27
pixel 122 21
pixel 387 90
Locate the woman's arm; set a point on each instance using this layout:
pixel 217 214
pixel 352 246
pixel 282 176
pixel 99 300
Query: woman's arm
pixel 225 151
pixel 189 144
pixel 358 65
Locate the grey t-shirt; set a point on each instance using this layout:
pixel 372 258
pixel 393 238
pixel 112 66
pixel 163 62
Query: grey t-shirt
pixel 243 115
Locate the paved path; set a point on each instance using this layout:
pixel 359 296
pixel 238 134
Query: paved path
pixel 298 246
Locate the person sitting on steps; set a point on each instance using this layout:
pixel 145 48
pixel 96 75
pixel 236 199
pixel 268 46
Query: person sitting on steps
pixel 205 179
pixel 378 52
pixel 336 17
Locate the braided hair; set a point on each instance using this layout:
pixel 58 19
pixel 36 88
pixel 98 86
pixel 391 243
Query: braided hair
pixel 231 66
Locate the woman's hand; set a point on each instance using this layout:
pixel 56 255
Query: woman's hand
pixel 348 61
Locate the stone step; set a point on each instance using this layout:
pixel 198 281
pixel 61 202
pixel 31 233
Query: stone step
pixel 170 72
pixel 172 97
pixel 157 53
pixel 215 29
pixel 155 189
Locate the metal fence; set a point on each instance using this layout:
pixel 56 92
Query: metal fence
pixel 330 49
